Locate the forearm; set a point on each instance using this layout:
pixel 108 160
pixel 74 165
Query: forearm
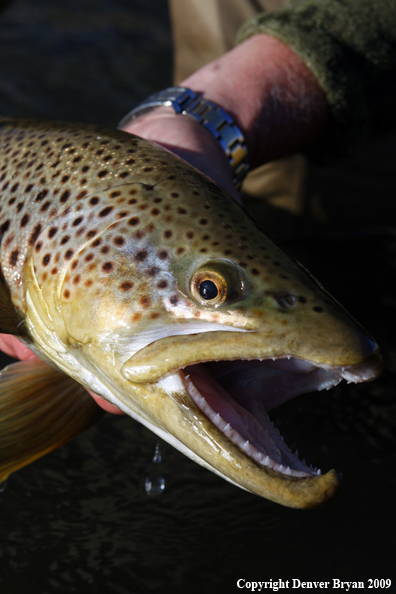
pixel 350 46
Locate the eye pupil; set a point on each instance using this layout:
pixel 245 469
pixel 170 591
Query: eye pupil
pixel 208 290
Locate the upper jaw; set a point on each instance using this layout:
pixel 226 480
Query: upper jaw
pixel 167 354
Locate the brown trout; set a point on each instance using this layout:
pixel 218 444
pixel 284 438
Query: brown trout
pixel 139 278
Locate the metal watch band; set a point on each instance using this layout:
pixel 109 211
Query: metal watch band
pixel 217 121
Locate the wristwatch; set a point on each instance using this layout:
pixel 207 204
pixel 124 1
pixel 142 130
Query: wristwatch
pixel 217 121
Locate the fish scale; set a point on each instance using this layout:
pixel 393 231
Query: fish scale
pixel 129 270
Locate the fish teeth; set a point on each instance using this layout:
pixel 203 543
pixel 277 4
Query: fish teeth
pixel 232 434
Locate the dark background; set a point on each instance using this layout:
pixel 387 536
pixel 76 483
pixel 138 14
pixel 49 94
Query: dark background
pixel 79 520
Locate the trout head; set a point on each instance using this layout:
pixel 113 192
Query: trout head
pixel 185 315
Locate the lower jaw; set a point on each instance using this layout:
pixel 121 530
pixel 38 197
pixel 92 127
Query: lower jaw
pixel 242 416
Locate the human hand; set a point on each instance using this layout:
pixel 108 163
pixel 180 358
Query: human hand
pixel 189 140
pixel 272 96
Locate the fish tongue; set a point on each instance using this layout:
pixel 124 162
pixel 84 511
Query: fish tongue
pixel 229 416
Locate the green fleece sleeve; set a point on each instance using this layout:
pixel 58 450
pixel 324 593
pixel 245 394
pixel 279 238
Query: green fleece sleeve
pixel 350 46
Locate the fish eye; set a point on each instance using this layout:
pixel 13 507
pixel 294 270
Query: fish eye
pixel 208 290
pixel 208 287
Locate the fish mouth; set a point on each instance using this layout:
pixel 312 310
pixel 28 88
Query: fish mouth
pixel 214 408
pixel 236 396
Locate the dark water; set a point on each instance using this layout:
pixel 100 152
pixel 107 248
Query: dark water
pixel 79 520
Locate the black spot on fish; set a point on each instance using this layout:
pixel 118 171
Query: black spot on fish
pixel 45 206
pixel 65 196
pixel 145 301
pixel 141 256
pixel 35 233
pixel 14 256
pixel 174 300
pixel 106 211
pixel 126 286
pixel 25 220
pixel 153 271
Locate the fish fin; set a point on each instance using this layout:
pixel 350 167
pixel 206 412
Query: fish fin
pixel 10 322
pixel 41 409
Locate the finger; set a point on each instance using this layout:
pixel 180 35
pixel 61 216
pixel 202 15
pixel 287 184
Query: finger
pixel 14 348
pixel 107 406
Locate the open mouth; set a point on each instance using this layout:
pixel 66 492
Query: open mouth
pixel 237 395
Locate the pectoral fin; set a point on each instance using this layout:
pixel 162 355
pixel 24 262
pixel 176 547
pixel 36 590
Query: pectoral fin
pixel 40 410
pixel 10 322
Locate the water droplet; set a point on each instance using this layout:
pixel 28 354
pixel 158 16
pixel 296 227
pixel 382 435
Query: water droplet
pixel 3 486
pixel 154 483
pixel 157 459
